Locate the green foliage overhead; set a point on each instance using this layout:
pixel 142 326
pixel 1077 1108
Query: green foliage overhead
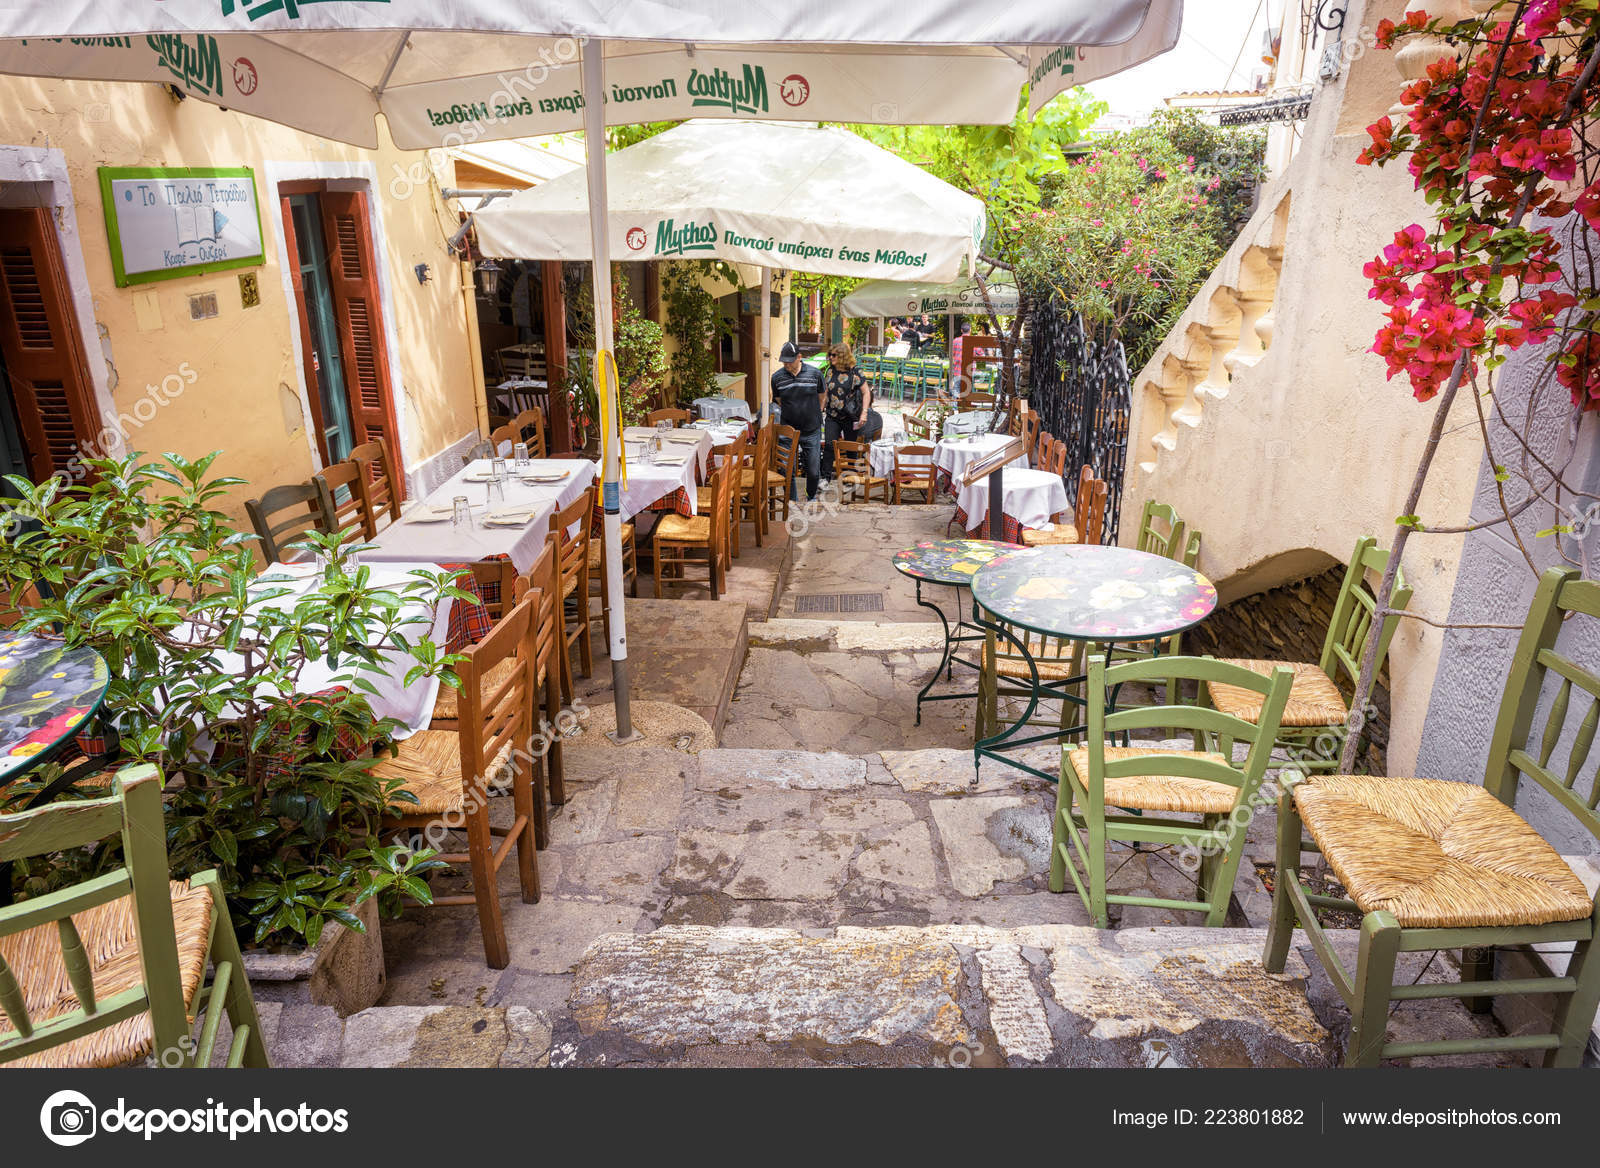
pixel 694 322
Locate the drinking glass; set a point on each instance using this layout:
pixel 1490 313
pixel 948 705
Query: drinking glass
pixel 461 512
pixel 520 453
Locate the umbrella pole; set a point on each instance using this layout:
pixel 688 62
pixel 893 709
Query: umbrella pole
pixel 763 351
pixel 594 134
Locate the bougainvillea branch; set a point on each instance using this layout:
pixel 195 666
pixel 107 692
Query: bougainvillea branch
pixel 1494 131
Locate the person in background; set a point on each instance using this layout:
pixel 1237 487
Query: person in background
pixel 910 335
pixel 845 402
pixel 798 389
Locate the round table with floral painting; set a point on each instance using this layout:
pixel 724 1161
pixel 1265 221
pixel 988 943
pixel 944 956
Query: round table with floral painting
pixel 951 563
pixel 47 693
pixel 1087 594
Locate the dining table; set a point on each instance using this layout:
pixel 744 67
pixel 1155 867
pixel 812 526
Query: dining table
pixel 507 519
pixel 1077 595
pixel 948 563
pixel 722 408
pixel 880 455
pixel 663 469
pixel 968 422
pixel 1030 499
pixel 954 454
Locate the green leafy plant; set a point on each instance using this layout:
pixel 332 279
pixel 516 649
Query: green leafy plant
pixel 207 654
pixel 694 322
pixel 641 354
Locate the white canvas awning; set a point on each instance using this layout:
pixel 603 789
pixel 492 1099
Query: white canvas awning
pixel 471 70
pixel 770 193
pixel 897 298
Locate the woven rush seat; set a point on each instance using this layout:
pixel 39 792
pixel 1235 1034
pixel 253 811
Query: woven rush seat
pixel 1050 668
pixel 1313 699
pixel 688 528
pixel 429 764
pixel 597 550
pixel 1437 854
pixel 112 943
pixel 448 704
pixel 1059 533
pixel 1159 792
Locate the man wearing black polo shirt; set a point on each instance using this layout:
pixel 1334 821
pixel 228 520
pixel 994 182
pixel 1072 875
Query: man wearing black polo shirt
pixel 798 389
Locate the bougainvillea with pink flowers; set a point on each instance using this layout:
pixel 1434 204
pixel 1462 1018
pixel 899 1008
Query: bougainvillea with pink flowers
pixel 1495 137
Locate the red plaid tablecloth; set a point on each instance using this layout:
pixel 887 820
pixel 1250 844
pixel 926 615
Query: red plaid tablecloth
pixel 679 502
pixel 1011 527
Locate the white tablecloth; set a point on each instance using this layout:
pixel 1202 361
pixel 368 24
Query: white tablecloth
pixel 648 482
pixel 445 543
pixel 720 408
pixel 970 422
pixel 411 705
pixel 704 440
pixel 955 454
pixel 880 457
pixel 1031 497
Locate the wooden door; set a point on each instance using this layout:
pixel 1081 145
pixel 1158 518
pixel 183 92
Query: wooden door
pixel 43 351
pixel 353 280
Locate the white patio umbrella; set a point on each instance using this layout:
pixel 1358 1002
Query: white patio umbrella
pixel 898 298
pixel 775 194
pixel 448 74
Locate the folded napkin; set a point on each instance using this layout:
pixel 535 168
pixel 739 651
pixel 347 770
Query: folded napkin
pixel 672 460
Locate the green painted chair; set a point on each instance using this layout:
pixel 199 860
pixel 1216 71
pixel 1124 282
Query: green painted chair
pixel 111 970
pixel 1435 864
pixel 1159 784
pixel 1161 533
pixel 1314 723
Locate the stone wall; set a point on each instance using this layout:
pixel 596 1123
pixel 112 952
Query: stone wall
pixel 1288 623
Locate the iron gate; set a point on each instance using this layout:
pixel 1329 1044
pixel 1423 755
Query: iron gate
pixel 1082 393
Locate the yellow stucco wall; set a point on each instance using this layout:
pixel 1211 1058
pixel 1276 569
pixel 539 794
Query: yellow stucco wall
pixel 244 395
pixel 1312 446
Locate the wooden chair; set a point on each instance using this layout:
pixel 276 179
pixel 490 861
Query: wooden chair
pixel 916 428
pixel 675 416
pixel 1158 783
pixel 914 476
pixel 732 451
pixel 1437 864
pixel 1028 425
pixel 109 971
pixel 572 560
pixel 1088 519
pixel 502 588
pixel 449 773
pixel 345 485
pixel 286 514
pixel 504 439
pixel 753 485
pixel 529 425
pixel 679 535
pixel 385 491
pixel 1316 704
pixel 780 479
pixel 853 465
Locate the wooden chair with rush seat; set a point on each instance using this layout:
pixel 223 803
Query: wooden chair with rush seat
pixel 345 484
pixel 677 536
pixel 753 484
pixel 573 528
pixel 1317 705
pixel 1089 512
pixel 598 559
pixel 853 468
pixel 728 452
pixel 447 775
pixel 1158 783
pixel 109 971
pixel 780 479
pixel 915 476
pixel 1436 864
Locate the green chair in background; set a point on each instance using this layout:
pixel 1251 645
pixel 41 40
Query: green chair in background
pixel 1156 784
pixel 110 971
pixel 1317 708
pixel 1161 533
pixel 1435 864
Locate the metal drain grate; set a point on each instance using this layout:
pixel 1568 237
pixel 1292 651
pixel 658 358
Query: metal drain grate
pixel 840 602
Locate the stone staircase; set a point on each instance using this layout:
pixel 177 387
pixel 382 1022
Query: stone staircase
pixel 747 907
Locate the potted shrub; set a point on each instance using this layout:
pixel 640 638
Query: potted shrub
pixel 269 786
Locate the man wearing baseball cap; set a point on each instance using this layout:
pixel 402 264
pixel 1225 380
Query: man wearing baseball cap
pixel 798 389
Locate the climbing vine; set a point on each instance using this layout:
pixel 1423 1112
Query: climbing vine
pixel 694 322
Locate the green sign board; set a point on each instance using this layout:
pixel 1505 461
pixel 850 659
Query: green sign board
pixel 169 222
